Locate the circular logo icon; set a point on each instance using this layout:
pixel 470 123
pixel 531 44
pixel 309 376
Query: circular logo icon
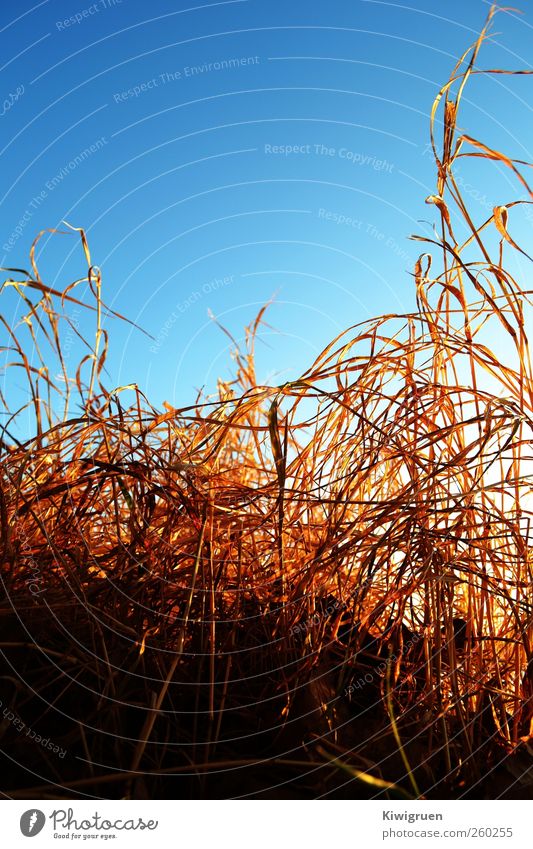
pixel 32 822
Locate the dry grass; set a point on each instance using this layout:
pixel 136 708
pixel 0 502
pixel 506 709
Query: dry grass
pixel 317 588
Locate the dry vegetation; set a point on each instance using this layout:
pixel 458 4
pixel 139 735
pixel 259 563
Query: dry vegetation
pixel 317 588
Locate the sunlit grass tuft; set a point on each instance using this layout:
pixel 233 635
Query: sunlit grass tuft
pixel 337 570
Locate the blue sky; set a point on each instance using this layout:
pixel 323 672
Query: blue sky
pixel 221 154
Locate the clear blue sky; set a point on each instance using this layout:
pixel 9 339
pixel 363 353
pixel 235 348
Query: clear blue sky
pixel 219 154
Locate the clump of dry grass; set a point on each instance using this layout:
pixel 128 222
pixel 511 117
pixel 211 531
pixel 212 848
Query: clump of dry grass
pixel 323 586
